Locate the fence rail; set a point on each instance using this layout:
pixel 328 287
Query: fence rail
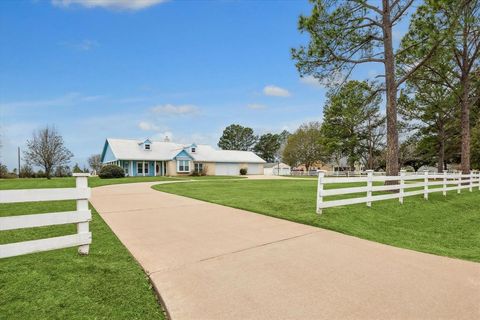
pixel 401 187
pixel 80 217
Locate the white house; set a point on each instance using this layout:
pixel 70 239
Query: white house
pixel 277 169
pixel 162 158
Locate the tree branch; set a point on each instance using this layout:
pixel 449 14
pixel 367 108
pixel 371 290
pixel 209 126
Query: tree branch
pixel 369 6
pixel 402 11
pixel 419 64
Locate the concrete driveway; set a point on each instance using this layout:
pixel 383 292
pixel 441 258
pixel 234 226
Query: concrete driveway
pixel 213 262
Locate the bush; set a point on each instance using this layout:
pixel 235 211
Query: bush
pixel 111 171
pixel 27 171
pixel 243 171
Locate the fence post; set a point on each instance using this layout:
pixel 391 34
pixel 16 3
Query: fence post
pixel 369 187
pixel 81 182
pixel 445 182
pixel 402 185
pixel 425 187
pixel 321 176
pixel 470 187
pixel 459 186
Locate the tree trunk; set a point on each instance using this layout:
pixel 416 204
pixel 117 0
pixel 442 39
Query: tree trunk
pixel 47 173
pixel 441 151
pixel 391 94
pixel 465 120
pixel 465 86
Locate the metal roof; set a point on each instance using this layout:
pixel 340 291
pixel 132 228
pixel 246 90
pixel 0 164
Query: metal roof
pixel 127 149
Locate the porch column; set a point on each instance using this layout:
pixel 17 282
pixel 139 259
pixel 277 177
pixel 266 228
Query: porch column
pixel 143 168
pixel 155 167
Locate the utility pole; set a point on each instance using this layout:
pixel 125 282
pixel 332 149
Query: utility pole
pixel 18 154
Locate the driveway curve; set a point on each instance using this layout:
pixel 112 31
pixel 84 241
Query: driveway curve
pixel 209 261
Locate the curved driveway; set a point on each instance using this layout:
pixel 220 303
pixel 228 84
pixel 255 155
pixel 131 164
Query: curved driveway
pixel 213 262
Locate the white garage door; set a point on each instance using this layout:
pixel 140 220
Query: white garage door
pixel 227 169
pixel 255 168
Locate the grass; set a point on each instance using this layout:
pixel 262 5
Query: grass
pixel 60 284
pixel 443 226
pixel 32 183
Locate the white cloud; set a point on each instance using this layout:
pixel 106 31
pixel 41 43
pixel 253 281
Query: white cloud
pixel 335 79
pixel 170 109
pixel 109 4
pixel 311 81
pixel 275 91
pixel 147 126
pixel 256 106
pixel 160 136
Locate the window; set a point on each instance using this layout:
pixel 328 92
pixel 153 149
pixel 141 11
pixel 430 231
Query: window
pixel 141 168
pixel 147 146
pixel 125 167
pixel 198 167
pixel 193 150
pixel 183 166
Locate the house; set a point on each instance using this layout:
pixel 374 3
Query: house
pixel 165 158
pixel 277 169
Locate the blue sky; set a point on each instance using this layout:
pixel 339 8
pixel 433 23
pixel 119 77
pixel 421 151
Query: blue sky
pixel 185 69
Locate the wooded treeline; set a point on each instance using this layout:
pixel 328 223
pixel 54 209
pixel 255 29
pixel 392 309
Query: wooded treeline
pixel 430 84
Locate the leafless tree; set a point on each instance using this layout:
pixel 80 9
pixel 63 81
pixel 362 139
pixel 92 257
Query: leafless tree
pixel 95 162
pixel 47 150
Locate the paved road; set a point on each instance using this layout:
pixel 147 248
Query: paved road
pixel 213 262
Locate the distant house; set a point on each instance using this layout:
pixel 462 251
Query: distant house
pixel 277 169
pixel 164 158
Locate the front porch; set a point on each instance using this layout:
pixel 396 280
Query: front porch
pixel 142 168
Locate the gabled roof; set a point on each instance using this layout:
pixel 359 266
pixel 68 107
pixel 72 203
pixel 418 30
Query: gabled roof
pixel 126 149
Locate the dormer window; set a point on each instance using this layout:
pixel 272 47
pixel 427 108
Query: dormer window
pixel 147 146
pixel 193 149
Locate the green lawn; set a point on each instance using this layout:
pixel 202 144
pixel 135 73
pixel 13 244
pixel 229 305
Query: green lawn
pixel 31 183
pixel 444 226
pixel 60 284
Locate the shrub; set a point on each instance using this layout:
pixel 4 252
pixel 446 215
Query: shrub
pixel 27 171
pixel 243 171
pixel 111 171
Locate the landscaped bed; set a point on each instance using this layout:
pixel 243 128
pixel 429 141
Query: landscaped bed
pixel 442 225
pixel 60 284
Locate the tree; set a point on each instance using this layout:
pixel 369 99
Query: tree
pixel 95 162
pixel 458 21
pixel 476 146
pixel 26 171
pixel 3 171
pixel 47 150
pixel 352 123
pixel 237 137
pixel 283 138
pixel 344 34
pixel 410 155
pixel 304 146
pixel 431 111
pixel 62 171
pixel 76 169
pixel 267 146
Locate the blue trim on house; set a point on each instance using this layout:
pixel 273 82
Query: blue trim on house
pixel 107 153
pixel 183 155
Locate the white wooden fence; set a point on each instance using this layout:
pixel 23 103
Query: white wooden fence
pixel 81 218
pixel 403 183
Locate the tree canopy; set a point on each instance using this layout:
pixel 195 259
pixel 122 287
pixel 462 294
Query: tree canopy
pixel 237 137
